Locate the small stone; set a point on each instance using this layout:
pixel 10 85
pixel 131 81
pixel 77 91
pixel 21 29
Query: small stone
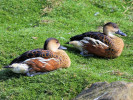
pixel 97 13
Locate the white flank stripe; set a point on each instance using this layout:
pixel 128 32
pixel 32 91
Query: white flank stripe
pixel 43 60
pixel 95 41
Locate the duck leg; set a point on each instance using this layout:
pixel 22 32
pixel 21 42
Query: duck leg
pixel 37 73
pixel 85 52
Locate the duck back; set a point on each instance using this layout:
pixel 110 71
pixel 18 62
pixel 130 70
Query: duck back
pixel 32 54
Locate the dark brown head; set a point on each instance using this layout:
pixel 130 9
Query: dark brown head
pixel 111 28
pixel 52 44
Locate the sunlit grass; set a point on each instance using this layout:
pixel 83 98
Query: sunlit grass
pixel 23 20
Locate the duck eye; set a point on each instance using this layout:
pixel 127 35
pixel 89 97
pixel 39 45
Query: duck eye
pixel 115 26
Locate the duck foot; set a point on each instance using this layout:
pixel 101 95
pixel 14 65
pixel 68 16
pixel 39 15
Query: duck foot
pixel 36 73
pixel 85 55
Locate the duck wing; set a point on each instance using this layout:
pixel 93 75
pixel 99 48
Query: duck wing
pixel 40 64
pixel 32 54
pixel 94 46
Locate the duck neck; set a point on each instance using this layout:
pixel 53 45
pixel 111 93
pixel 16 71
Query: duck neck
pixel 110 34
pixel 52 49
pixel 64 58
pixel 107 32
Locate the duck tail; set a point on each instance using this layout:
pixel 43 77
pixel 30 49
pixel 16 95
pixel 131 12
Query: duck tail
pixel 72 42
pixel 67 43
pixel 7 66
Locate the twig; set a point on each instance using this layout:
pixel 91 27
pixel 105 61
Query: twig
pixel 126 10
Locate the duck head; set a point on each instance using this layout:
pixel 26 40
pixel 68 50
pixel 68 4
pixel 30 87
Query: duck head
pixel 111 28
pixel 52 44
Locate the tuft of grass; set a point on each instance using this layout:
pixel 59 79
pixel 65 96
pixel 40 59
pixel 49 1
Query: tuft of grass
pixel 25 25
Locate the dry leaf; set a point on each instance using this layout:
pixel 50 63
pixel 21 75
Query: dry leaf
pixel 34 38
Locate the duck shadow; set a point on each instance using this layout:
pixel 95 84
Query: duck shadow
pixel 77 52
pixel 128 55
pixel 7 74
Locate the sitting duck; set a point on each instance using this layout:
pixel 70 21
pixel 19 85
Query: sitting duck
pixel 39 61
pixel 104 44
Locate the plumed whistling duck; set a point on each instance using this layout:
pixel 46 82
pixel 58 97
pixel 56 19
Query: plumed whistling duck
pixel 38 61
pixel 104 44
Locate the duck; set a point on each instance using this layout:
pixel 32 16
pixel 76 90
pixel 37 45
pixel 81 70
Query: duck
pixel 41 61
pixel 105 44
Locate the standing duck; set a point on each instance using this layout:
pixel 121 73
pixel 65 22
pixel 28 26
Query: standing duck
pixel 104 44
pixel 38 61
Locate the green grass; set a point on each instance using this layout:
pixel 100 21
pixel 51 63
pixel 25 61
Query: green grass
pixel 21 20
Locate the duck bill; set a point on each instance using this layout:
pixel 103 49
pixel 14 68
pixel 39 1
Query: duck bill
pixel 120 33
pixel 62 47
pixel 7 67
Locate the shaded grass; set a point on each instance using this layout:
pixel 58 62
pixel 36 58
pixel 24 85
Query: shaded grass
pixel 61 20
